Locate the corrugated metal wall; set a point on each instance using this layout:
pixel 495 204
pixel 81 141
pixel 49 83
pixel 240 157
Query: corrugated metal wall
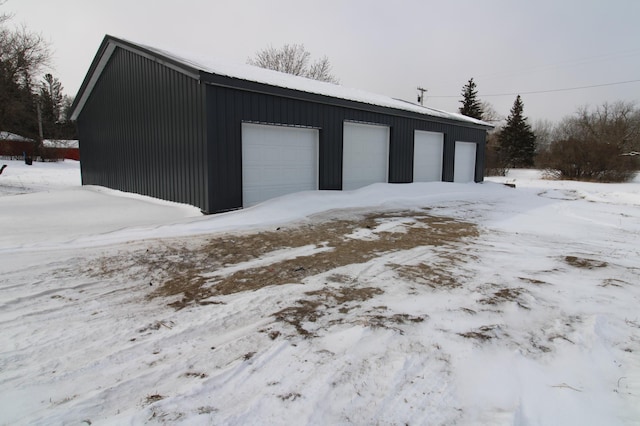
pixel 143 130
pixel 229 107
pixel 150 129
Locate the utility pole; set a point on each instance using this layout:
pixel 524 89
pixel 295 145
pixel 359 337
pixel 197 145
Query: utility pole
pixel 421 95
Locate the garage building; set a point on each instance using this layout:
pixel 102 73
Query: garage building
pixel 222 136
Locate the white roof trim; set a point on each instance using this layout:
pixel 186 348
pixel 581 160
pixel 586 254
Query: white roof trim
pixel 104 59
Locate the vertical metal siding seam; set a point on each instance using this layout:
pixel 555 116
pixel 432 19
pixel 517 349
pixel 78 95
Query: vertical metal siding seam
pixel 179 137
pixel 165 89
pixel 169 124
pixel 138 96
pixel 138 85
pixel 188 142
pixel 182 135
pixel 148 100
pixel 125 126
pixel 199 121
pixel 169 187
pixel 149 109
pixel 129 131
pixel 114 144
pixel 195 123
pixel 183 91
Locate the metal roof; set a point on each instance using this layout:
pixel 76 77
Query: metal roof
pixel 205 68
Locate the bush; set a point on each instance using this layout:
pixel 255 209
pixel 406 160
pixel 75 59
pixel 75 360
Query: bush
pixel 494 163
pixel 591 160
pixel 591 145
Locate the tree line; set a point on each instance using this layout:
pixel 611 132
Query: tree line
pixel 595 144
pixel 600 144
pixel 32 105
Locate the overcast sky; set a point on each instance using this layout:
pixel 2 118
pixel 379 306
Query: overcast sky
pixel 386 47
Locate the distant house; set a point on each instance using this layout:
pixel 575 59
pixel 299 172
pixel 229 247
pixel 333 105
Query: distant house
pixel 222 136
pixel 15 146
pixel 61 149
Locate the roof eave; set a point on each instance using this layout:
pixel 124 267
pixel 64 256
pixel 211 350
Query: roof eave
pixel 270 89
pixel 110 43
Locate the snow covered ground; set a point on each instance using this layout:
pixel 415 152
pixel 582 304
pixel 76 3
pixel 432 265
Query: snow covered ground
pixel 433 303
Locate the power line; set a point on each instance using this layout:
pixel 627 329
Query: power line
pixel 563 64
pixel 566 89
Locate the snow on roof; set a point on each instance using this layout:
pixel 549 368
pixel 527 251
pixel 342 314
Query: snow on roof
pixel 303 84
pixel 8 136
pixel 197 63
pixel 60 143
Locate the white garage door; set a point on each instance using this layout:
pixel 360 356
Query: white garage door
pixel 464 168
pixel 365 155
pixel 277 160
pixel 427 156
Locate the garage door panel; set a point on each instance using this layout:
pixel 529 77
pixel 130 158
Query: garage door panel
pixel 277 160
pixel 464 168
pixel 427 156
pixel 365 155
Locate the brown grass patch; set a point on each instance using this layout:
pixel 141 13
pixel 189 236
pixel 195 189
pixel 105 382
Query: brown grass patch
pixel 435 275
pixel 505 295
pixel 185 267
pixel 392 321
pixel 532 281
pixel 484 333
pixel 333 301
pixel 613 282
pixel 153 398
pixel 319 304
pixel 581 262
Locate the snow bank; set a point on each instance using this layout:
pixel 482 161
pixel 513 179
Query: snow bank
pixel 540 325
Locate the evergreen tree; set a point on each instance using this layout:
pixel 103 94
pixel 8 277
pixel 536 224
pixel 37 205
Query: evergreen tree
pixel 517 140
pixel 471 106
pixel 51 99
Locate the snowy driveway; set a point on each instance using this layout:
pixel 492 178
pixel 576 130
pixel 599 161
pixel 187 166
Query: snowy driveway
pixel 413 304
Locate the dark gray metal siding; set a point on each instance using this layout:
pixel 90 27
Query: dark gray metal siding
pixel 158 127
pixel 229 107
pixel 143 130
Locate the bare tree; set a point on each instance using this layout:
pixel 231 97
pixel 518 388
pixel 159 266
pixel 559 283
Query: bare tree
pixel 495 162
pixel 544 131
pixel 22 56
pixel 321 70
pixel 489 113
pixel 293 59
pixel 593 144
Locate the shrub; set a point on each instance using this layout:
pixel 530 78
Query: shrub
pixel 495 163
pixel 591 160
pixel 591 145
